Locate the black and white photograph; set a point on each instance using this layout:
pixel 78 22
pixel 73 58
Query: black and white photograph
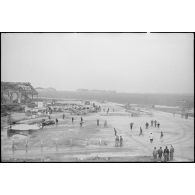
pixel 97 97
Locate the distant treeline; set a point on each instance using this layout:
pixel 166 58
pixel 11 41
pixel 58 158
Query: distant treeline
pixel 124 98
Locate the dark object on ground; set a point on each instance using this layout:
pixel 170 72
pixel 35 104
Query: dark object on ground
pixel 48 122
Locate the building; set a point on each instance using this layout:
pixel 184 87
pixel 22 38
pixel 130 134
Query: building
pixel 17 92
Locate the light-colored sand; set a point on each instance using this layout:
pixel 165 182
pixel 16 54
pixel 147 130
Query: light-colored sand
pixel 91 142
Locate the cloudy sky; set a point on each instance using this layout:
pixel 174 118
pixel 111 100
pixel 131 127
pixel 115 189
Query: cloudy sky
pixel 136 63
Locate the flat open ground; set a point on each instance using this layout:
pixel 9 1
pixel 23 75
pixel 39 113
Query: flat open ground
pixel 68 142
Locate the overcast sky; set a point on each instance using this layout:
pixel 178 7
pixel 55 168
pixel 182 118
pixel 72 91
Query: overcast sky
pixel 136 63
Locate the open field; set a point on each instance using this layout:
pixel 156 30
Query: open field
pixel 90 143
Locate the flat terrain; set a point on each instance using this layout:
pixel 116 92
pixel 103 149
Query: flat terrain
pixel 68 142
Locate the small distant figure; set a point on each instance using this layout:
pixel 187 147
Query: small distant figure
pixel 155 122
pixel 105 123
pixel 121 141
pixel 98 122
pixel 171 152
pixel 108 110
pixel 117 141
pixel 63 116
pixel 155 152
pixel 160 153
pixel 81 119
pixel 26 146
pixel 147 125
pixel 158 124
pixel 161 135
pixel 56 121
pixel 72 119
pixel 115 132
pixel 140 132
pixel 166 154
pixel 151 138
pixel 152 123
pixel 131 126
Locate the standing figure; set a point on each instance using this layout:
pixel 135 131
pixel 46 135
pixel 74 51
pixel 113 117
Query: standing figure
pixel 141 132
pixel 117 141
pixel 108 111
pixel 158 124
pixel 115 132
pixel 155 152
pixel 171 152
pixel 160 153
pixel 63 116
pixel 161 135
pixel 121 141
pixel 147 125
pixel 98 122
pixel 166 154
pixel 151 138
pixel 151 123
pixel 81 120
pixel 131 126
pixel 72 119
pixel 56 121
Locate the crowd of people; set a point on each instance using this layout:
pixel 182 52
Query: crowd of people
pixel 163 155
pixel 158 154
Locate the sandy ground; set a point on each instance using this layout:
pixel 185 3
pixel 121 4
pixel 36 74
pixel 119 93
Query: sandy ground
pixel 68 142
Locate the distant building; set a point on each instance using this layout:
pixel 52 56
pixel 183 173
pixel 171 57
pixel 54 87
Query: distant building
pixel 17 92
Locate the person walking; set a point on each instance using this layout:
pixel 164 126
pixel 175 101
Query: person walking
pixel 115 132
pixel 72 120
pixel 141 132
pixel 171 152
pixel 121 141
pixel 160 153
pixel 155 152
pixel 63 116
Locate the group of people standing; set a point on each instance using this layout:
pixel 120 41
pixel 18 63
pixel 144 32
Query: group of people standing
pixel 155 123
pixel 105 123
pixel 166 154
